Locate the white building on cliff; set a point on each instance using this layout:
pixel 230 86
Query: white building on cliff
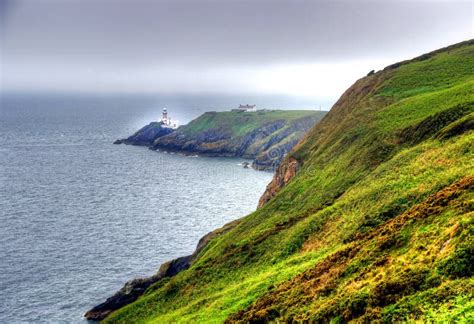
pixel 246 108
pixel 166 120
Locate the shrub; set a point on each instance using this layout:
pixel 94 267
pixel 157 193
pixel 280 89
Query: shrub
pixel 460 264
pixel 388 292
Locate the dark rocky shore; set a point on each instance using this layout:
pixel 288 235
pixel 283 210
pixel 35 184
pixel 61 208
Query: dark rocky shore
pixel 146 135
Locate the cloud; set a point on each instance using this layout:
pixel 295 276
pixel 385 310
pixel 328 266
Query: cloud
pixel 215 45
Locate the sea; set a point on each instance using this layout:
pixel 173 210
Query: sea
pixel 80 216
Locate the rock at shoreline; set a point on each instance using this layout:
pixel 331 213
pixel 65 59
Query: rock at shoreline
pixel 137 287
pixel 146 135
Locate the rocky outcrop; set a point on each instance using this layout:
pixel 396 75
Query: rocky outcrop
pixel 135 288
pixel 220 142
pixel 146 135
pixel 285 172
pixel 271 158
pixel 265 136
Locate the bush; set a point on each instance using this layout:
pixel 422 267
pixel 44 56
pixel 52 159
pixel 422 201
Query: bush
pixel 460 264
pixel 388 292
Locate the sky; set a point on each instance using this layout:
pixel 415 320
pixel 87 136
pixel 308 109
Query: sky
pixel 299 48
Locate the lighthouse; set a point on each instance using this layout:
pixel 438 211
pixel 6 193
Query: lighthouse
pixel 164 116
pixel 166 121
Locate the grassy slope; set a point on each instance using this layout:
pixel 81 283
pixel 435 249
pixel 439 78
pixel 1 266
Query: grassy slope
pixel 377 223
pixel 238 123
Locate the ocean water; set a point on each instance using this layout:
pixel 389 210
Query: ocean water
pixel 80 216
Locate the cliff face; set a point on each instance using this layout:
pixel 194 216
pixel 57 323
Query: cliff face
pixel 284 173
pixel 368 218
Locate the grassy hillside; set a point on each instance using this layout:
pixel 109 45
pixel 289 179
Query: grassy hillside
pixel 239 123
pixel 370 217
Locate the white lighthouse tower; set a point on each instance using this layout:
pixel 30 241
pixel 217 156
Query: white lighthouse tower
pixel 164 116
pixel 166 121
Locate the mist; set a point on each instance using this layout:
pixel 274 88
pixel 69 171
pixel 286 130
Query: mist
pixel 302 48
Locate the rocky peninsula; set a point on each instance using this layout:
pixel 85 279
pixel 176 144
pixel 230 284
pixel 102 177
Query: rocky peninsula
pixel 264 136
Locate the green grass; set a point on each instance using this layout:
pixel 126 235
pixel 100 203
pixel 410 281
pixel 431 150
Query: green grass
pixel 438 72
pixel 414 109
pixel 376 225
pixel 240 123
